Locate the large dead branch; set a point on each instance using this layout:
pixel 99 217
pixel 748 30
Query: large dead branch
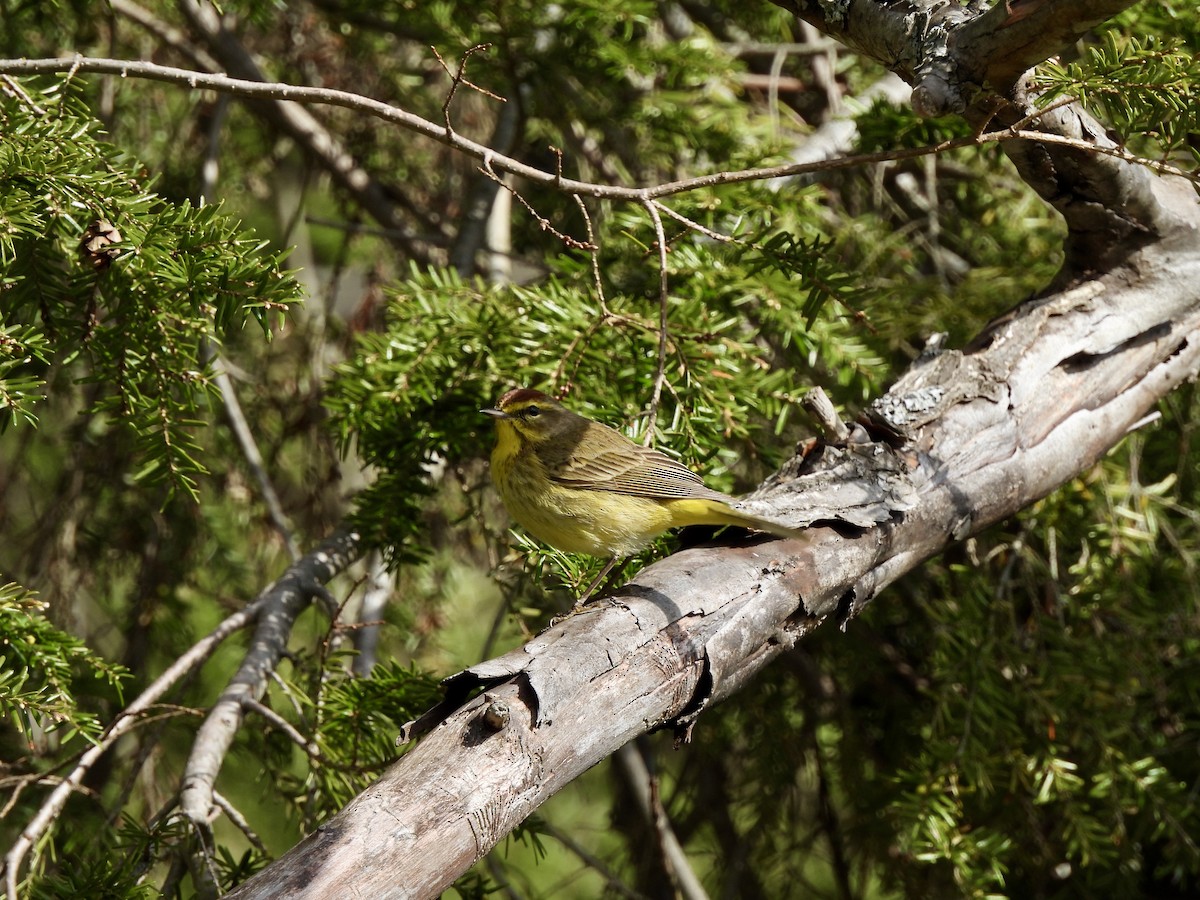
pixel 1037 398
pixel 954 54
pixel 975 435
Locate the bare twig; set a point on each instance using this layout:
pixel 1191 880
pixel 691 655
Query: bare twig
pixel 148 743
pixel 593 862
pixel 543 223
pixel 283 725
pixel 168 34
pixel 770 48
pixel 13 88
pixel 348 100
pixel 460 77
pixel 830 824
pixel 1036 114
pixel 606 316
pixel 290 693
pixel 235 816
pixel 558 156
pixel 593 250
pixel 122 724
pixel 660 373
pixel 249 447
pixel 1154 165
pixel 278 605
pixel 697 227
pixel 644 788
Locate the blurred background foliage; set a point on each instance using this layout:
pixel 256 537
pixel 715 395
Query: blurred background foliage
pixel 1016 719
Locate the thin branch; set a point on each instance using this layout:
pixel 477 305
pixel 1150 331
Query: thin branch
pixel 830 824
pixel 460 77
pixel 644 788
pixel 44 779
pixel 1037 113
pixel 660 373
pixel 122 724
pixel 1154 165
pixel 543 223
pixel 12 88
pixel 606 315
pixel 501 163
pixel 593 249
pixel 280 604
pixel 235 816
pixel 148 742
pixel 770 48
pixel 595 863
pixel 503 886
pixel 558 160
pixel 249 447
pixel 256 706
pixel 166 33
pixel 292 696
pixel 697 227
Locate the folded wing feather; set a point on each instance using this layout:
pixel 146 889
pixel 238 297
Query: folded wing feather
pixel 638 472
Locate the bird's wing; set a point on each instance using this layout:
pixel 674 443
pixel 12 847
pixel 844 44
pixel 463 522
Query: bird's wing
pixel 636 471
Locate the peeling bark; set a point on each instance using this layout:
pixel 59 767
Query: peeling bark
pixel 966 438
pixel 1036 399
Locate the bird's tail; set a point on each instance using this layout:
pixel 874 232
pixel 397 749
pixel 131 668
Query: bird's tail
pixel 702 511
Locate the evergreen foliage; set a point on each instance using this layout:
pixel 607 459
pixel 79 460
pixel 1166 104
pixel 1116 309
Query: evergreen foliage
pixel 127 290
pixel 1016 719
pixel 43 669
pixel 1145 87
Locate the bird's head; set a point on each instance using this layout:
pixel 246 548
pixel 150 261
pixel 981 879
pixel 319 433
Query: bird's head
pixel 534 417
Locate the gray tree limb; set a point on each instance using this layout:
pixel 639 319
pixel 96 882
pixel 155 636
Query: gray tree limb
pixel 950 53
pixel 977 434
pixel 1036 399
pixel 125 68
pixel 275 611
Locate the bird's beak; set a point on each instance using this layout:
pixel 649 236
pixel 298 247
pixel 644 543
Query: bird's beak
pixel 495 413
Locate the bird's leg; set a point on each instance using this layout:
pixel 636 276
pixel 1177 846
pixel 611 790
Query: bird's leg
pixel 593 588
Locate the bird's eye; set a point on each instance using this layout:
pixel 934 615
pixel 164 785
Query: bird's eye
pixel 532 411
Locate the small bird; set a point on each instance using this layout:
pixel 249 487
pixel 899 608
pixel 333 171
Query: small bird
pixel 584 488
